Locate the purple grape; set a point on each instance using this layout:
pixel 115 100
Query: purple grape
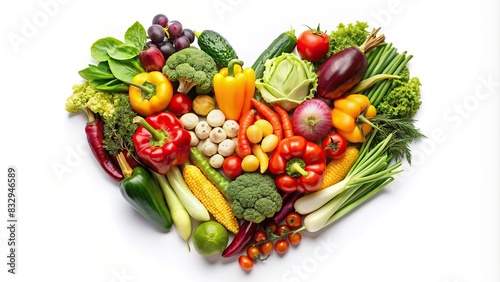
pixel 150 43
pixel 160 19
pixel 167 49
pixel 156 33
pixel 181 42
pixel 189 34
pixel 174 29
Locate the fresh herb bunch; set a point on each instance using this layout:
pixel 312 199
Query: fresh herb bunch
pixel 119 129
pixel 404 133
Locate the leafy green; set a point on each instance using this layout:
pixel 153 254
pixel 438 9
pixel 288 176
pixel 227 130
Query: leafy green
pixel 136 36
pixel 119 128
pixel 99 50
pixel 287 81
pixel 123 52
pixel 125 70
pixel 352 34
pixel 403 99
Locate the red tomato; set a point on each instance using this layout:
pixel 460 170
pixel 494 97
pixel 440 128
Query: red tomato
pixel 253 252
pixel 313 44
pixel 245 262
pixel 259 236
pixel 293 220
pixel 334 145
pixel 295 238
pixel 283 229
pixel 180 104
pixel 271 227
pixel 266 248
pixel 232 167
pixel 281 246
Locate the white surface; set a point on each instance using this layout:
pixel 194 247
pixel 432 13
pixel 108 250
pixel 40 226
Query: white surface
pixel 439 222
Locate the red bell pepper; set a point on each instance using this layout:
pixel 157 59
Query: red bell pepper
pixel 161 141
pixel 299 165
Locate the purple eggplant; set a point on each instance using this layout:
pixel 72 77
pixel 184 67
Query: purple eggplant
pixel 343 70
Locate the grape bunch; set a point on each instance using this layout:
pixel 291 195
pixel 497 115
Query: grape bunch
pixel 169 36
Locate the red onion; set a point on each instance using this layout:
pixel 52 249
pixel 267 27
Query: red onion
pixel 312 119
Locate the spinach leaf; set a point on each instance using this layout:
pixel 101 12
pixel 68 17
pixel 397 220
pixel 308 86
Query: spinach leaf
pixel 123 52
pixel 115 86
pixel 96 73
pixel 136 36
pixel 99 50
pixel 125 70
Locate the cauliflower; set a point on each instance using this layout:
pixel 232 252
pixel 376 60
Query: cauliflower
pixel 404 99
pixel 255 197
pixel 85 96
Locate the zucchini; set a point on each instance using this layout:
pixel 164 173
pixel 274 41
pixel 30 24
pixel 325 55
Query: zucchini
pixel 284 43
pixel 217 46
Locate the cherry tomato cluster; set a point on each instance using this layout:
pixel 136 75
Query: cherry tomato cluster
pixel 274 237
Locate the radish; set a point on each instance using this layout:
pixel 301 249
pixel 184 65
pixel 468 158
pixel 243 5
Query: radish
pixel 312 119
pixel 343 70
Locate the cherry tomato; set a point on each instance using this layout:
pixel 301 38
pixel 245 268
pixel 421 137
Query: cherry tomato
pixel 245 262
pixel 271 227
pixel 266 248
pixel 293 220
pixel 334 145
pixel 295 238
pixel 281 246
pixel 313 44
pixel 232 167
pixel 253 252
pixel 282 229
pixel 180 104
pixel 259 236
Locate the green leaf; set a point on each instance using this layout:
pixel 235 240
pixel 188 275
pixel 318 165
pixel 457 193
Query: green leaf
pixel 125 70
pixel 136 36
pixel 123 52
pixel 99 50
pixel 96 73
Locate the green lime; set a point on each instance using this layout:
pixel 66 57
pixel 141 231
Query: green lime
pixel 210 238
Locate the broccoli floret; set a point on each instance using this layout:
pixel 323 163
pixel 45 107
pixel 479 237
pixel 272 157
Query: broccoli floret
pixel 191 67
pixel 404 99
pixel 85 96
pixel 255 197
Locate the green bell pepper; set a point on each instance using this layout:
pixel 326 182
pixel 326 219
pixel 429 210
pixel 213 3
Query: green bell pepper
pixel 141 190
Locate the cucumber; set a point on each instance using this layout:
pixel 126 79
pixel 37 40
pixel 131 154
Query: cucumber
pixel 284 43
pixel 217 46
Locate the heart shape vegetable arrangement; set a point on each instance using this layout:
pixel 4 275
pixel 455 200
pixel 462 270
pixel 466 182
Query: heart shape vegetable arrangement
pixel 317 125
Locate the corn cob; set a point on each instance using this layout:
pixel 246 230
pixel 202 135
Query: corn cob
pixel 210 197
pixel 337 169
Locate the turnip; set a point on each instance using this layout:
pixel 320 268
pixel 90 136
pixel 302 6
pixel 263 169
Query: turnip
pixel 312 119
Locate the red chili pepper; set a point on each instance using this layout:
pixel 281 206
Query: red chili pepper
pixel 244 235
pixel 287 207
pixel 299 165
pixel 95 137
pixel 161 141
pixel 286 121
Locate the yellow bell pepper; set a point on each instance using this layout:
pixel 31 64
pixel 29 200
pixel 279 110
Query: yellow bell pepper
pixel 234 87
pixel 150 93
pixel 351 117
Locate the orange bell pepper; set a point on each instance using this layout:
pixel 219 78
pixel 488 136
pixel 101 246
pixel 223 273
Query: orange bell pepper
pixel 351 117
pixel 150 93
pixel 233 88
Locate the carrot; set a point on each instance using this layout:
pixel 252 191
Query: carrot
pixel 244 148
pixel 270 116
pixel 286 122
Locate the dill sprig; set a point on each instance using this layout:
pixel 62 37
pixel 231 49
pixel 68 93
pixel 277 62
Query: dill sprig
pixel 404 133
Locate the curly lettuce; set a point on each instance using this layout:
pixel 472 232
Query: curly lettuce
pixel 404 98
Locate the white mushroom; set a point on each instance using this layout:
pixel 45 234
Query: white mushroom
pixel 217 135
pixel 209 148
pixel 216 161
pixel 226 147
pixel 194 139
pixel 231 128
pixel 216 118
pixel 189 120
pixel 202 130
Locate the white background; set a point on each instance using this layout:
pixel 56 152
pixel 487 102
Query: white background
pixel 439 222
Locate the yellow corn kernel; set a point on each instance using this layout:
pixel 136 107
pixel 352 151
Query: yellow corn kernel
pixel 210 197
pixel 337 169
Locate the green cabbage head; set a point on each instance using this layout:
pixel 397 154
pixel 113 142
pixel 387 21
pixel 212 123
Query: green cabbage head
pixel 287 81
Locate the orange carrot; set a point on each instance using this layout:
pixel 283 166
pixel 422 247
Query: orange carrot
pixel 244 148
pixel 286 122
pixel 270 116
